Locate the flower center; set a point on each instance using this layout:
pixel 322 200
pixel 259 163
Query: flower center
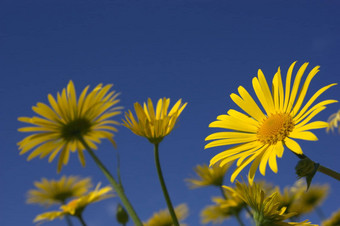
pixel 275 128
pixel 63 196
pixel 75 129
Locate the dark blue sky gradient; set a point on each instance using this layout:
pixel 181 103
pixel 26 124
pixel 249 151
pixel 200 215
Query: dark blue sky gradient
pixel 198 50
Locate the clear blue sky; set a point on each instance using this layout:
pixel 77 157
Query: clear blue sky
pixel 198 50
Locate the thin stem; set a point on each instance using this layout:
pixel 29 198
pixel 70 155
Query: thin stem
pixel 67 217
pixel 323 169
pixel 320 213
pixel 118 169
pixel 118 189
pixel 165 191
pixel 239 220
pixel 223 194
pixel 81 220
pixel 329 172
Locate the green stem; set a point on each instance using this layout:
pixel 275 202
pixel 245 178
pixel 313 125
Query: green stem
pixel 118 169
pixel 320 213
pixel 239 220
pixel 81 220
pixel 323 169
pixel 223 194
pixel 329 172
pixel 165 192
pixel 118 189
pixel 67 216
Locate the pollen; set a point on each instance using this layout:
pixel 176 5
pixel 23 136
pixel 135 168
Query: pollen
pixel 275 128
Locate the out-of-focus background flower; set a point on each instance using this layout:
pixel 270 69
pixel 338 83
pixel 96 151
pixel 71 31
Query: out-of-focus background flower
pixel 197 50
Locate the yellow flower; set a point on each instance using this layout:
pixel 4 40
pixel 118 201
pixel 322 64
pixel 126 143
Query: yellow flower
pixel 333 122
pixel 163 218
pixel 334 220
pixel 208 176
pixel 223 208
pixel 307 201
pixel 260 136
pixel 61 126
pixel 154 125
pixel 51 192
pixel 77 206
pixel 264 208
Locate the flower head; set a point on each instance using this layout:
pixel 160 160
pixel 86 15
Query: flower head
pixel 333 122
pixel 77 206
pixel 208 175
pixel 264 207
pixel 51 192
pixel 163 218
pixel 260 136
pixel 334 220
pixel 62 126
pixel 307 201
pixel 154 125
pixel 223 208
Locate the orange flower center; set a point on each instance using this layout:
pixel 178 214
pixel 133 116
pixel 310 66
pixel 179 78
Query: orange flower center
pixel 275 128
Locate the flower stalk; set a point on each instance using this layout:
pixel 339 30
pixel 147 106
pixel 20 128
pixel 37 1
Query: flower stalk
pixel 80 218
pixel 165 191
pixel 117 187
pixel 323 169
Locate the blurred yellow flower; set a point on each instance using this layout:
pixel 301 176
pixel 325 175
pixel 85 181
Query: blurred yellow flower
pixel 154 125
pixel 208 176
pixel 223 208
pixel 260 137
pixel 60 126
pixel 307 201
pixel 163 218
pixel 333 122
pixel 264 208
pixel 49 192
pixel 334 220
pixel 77 206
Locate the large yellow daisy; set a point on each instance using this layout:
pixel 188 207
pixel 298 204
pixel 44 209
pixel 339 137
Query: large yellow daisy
pixel 259 135
pixel 60 126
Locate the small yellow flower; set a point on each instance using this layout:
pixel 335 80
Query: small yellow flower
pixel 223 208
pixel 163 218
pixel 307 201
pixel 154 125
pixel 51 192
pixel 334 220
pixel 264 208
pixel 333 122
pixel 60 126
pixel 260 136
pixel 208 176
pixel 77 206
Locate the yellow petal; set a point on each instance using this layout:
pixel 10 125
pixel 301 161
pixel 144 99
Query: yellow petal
pixel 293 146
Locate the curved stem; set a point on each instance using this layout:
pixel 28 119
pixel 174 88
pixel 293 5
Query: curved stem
pixel 118 189
pixel 323 169
pixel 223 194
pixel 320 213
pixel 165 191
pixel 67 217
pixel 239 220
pixel 81 220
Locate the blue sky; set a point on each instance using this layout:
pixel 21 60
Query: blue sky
pixel 197 50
